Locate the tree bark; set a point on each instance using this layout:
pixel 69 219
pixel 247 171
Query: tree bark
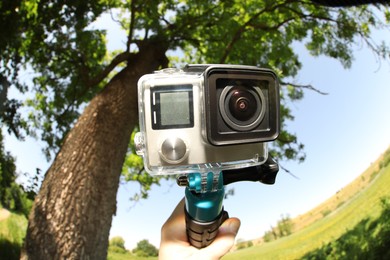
pixel 72 213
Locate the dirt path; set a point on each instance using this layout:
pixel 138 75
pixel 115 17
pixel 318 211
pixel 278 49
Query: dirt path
pixel 4 214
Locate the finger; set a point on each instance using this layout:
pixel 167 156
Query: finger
pixel 174 227
pixel 225 239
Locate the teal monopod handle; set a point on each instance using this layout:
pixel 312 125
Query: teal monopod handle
pixel 204 196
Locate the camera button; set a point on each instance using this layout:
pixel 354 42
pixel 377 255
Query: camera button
pixel 173 150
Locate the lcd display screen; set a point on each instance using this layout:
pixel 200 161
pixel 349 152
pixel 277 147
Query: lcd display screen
pixel 172 107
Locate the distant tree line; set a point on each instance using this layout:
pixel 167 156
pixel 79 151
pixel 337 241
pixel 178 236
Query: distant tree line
pixel 284 227
pixel 13 196
pixel 386 159
pixel 243 244
pixel 117 245
pixel 143 248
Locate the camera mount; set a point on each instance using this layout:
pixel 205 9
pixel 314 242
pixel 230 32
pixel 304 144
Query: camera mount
pixel 204 195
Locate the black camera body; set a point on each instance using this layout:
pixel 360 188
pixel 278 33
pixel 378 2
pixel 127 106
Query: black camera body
pixel 206 117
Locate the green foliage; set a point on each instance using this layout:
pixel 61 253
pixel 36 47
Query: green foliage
pixel 71 58
pixel 268 236
pixel 12 232
pixel 9 250
pixel 118 242
pixel 53 39
pixel 67 57
pixel 283 228
pixel 374 174
pixel 15 199
pixel 10 41
pixel 245 244
pixel 340 204
pixel 326 212
pixel 369 239
pixel 386 159
pixel 118 250
pixel 117 245
pixel 12 195
pixel 145 249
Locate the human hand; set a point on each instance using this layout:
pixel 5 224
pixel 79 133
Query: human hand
pixel 174 243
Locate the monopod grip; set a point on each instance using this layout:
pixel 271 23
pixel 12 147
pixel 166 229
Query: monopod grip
pixel 201 234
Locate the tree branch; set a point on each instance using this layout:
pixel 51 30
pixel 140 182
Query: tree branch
pixel 344 3
pixel 131 29
pixel 311 16
pixel 310 87
pixel 288 171
pixel 242 29
pixel 265 27
pixel 103 74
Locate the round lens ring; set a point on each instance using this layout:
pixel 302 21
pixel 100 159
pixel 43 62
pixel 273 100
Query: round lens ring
pixel 242 108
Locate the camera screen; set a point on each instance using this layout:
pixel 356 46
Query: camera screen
pixel 172 107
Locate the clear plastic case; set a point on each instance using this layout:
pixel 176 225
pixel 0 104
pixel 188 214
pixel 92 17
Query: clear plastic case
pixel 206 118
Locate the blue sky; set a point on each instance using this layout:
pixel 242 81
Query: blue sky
pixel 343 133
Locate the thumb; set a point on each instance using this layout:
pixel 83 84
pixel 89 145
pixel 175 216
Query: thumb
pixel 229 228
pixel 225 239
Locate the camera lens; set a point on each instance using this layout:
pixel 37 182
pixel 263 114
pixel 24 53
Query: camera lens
pixel 241 107
pixel 242 104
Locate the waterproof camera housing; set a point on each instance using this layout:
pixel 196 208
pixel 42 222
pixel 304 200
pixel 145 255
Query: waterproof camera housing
pixel 206 118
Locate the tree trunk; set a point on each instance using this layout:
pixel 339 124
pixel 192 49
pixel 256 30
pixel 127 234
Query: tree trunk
pixel 72 214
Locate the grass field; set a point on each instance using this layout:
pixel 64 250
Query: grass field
pixel 12 232
pixel 128 256
pixel 358 201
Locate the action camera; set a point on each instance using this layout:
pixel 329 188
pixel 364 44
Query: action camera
pixel 206 118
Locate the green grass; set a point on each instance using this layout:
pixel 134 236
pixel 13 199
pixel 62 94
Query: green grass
pixel 369 239
pixel 12 232
pixel 359 203
pixel 127 256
